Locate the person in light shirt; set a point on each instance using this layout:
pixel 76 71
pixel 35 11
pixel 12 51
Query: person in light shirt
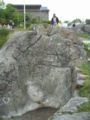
pixel 54 20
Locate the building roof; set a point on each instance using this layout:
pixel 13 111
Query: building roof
pixel 27 6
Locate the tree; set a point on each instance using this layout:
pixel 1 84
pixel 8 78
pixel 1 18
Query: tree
pixel 87 21
pixel 10 13
pixel 2 14
pixel 76 21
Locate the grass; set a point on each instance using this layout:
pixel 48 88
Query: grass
pixel 1 118
pixel 85 90
pixel 84 35
pixel 85 107
pixel 86 44
pixel 3 36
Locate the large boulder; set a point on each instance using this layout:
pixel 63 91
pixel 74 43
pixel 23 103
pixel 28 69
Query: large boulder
pixel 36 70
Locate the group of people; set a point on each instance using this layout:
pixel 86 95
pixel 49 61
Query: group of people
pixel 9 25
pixel 54 22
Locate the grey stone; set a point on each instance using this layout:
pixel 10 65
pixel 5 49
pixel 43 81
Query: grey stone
pixel 34 73
pixel 81 76
pixel 75 116
pixel 78 69
pixel 73 104
pixel 87 28
pixel 78 55
pixel 36 70
pixel 80 79
pixel 88 59
pixel 80 83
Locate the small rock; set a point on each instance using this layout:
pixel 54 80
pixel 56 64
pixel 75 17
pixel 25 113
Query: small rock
pixel 81 76
pixel 75 116
pixel 77 69
pixel 80 82
pixel 73 104
pixel 88 59
pixel 75 94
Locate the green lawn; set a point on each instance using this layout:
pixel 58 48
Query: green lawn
pixel 85 90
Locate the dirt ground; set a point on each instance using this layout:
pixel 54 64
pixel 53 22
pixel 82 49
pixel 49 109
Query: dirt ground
pixel 39 114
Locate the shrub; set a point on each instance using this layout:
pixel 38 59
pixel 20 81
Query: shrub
pixel 4 32
pixel 3 36
pixel 1 118
pixel 85 107
pixel 87 21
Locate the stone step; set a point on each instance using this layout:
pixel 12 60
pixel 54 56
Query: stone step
pixel 88 59
pixel 81 76
pixel 80 82
pixel 77 69
pixel 75 116
pixel 72 105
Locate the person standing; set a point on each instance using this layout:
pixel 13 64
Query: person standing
pixel 54 20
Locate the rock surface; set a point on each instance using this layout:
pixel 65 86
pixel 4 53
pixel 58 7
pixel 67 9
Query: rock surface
pixel 80 79
pixel 86 28
pixel 75 116
pixel 36 70
pixel 73 105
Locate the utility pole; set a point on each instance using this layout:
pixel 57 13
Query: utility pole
pixel 24 15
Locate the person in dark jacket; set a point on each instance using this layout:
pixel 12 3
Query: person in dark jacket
pixel 54 20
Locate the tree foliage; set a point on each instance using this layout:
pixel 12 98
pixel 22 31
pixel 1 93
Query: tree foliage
pixel 87 21
pixel 10 13
pixel 77 20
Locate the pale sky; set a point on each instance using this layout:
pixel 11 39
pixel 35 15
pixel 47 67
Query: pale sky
pixel 64 9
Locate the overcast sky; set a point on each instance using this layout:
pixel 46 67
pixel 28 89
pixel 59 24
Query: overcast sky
pixel 64 9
